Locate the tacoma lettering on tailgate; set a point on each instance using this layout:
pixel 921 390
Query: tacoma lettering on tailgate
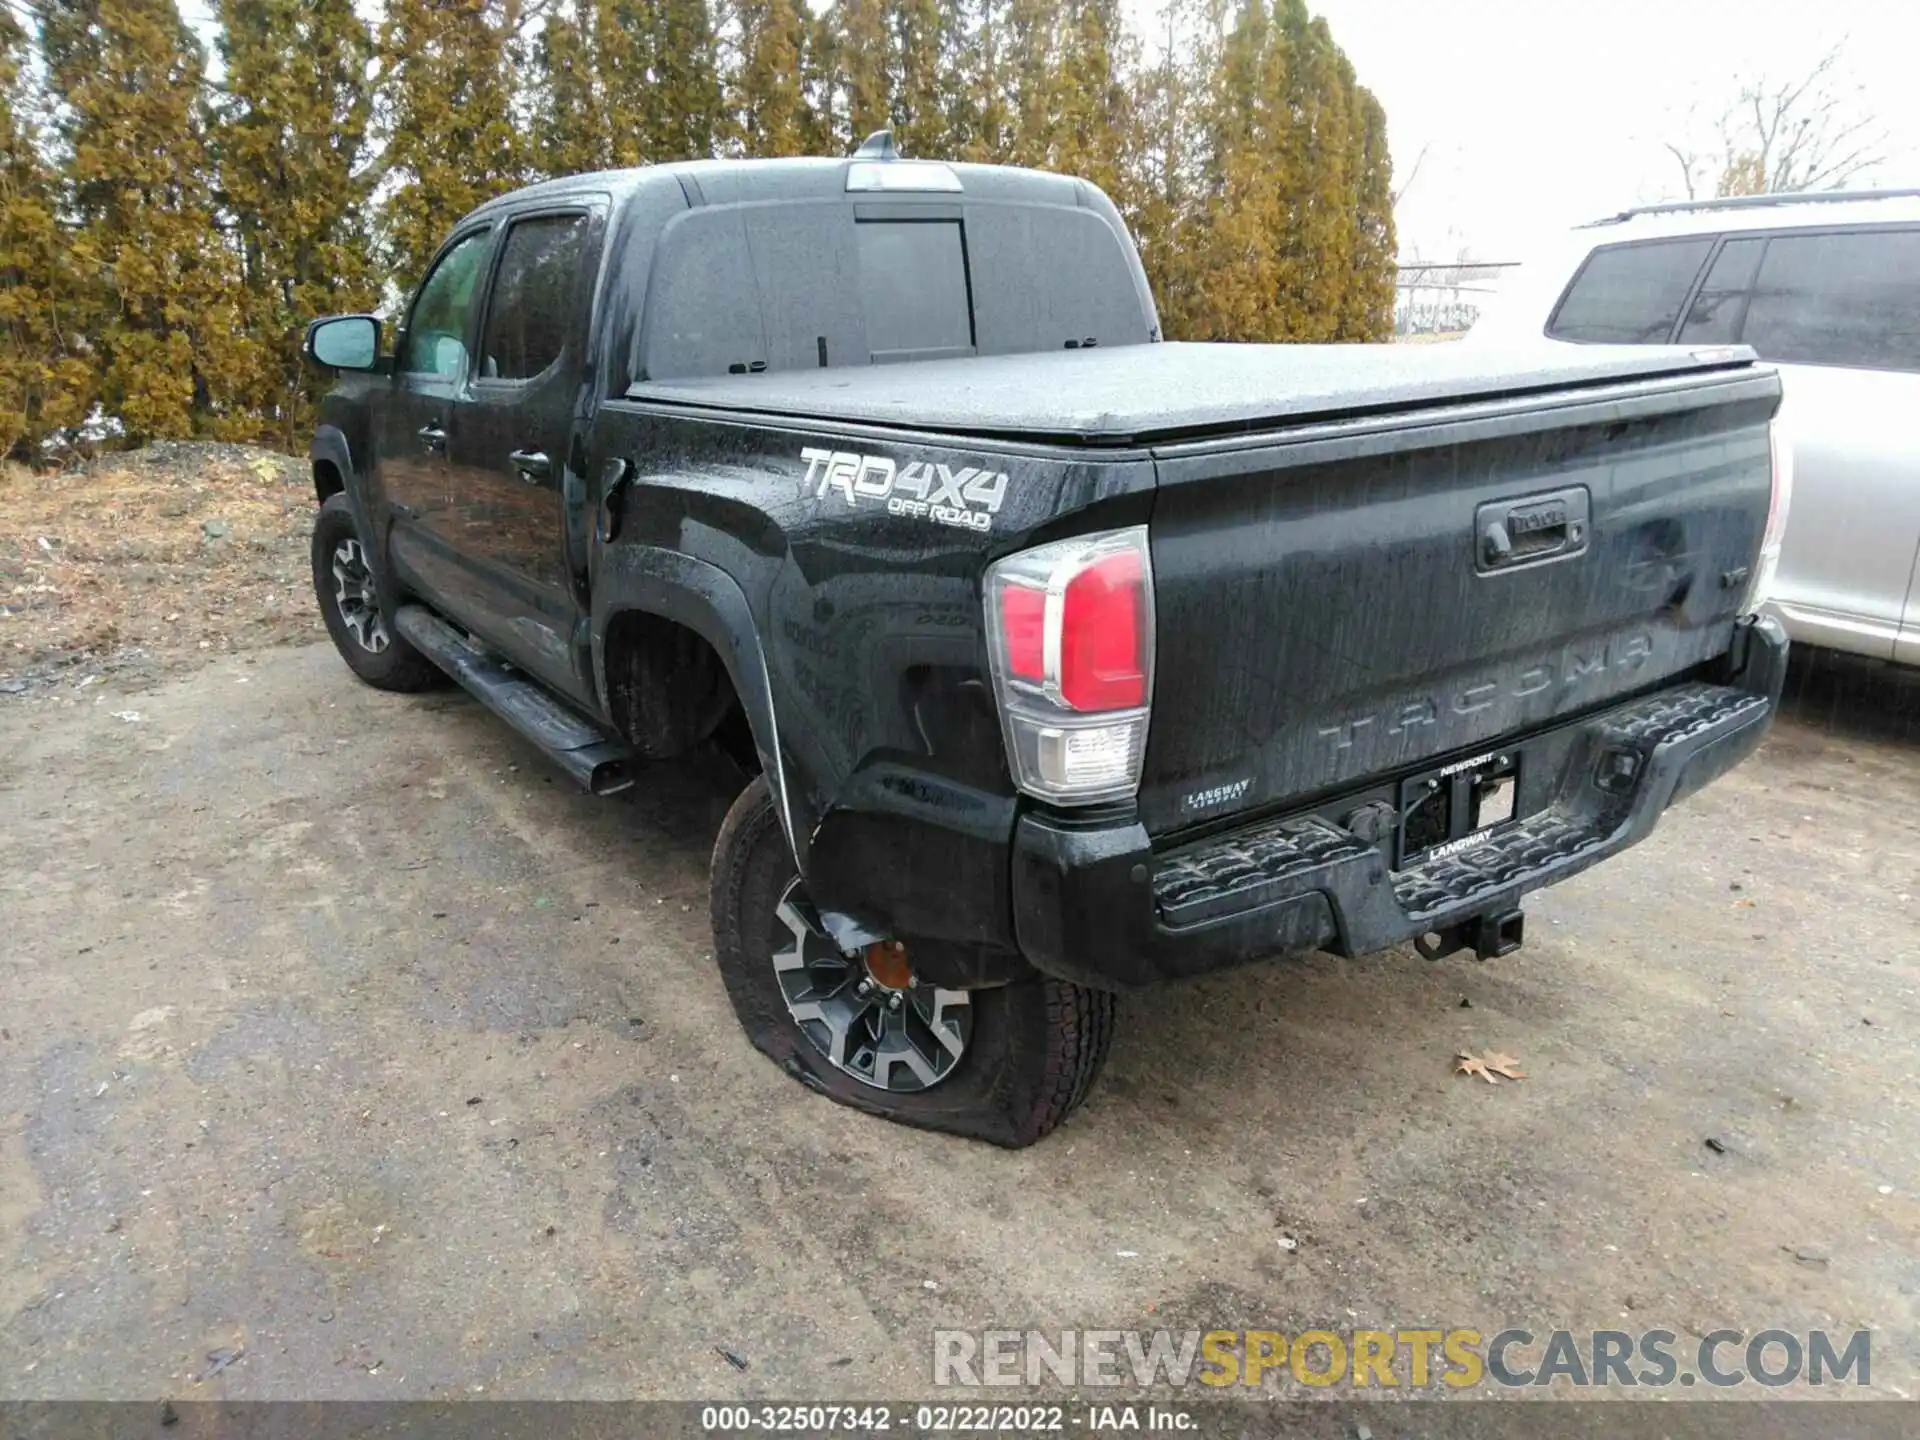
pixel 1624 652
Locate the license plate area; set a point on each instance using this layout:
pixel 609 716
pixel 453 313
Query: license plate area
pixel 1456 806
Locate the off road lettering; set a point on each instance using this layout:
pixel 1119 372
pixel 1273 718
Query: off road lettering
pixel 966 497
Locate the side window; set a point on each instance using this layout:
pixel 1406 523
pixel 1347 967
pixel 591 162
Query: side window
pixel 534 294
pixel 1849 298
pixel 436 341
pixel 1719 309
pixel 1630 294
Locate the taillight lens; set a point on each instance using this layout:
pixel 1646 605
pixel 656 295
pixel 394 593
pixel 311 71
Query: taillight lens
pixel 1780 441
pixel 1070 630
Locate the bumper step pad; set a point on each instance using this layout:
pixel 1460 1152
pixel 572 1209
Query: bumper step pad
pixel 1267 863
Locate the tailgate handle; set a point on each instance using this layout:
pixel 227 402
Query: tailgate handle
pixel 1531 529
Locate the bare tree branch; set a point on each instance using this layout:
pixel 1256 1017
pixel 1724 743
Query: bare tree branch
pixel 1813 131
pixel 1688 162
pixel 1413 174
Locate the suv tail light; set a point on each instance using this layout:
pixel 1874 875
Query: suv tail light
pixel 1070 630
pixel 1780 442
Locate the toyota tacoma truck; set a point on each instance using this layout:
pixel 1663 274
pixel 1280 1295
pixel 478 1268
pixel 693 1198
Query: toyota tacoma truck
pixel 1064 661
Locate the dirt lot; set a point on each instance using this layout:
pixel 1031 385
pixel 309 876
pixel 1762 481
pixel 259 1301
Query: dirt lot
pixel 342 1039
pixel 132 566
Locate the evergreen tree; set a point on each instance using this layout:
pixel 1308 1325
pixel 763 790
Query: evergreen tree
pixel 1163 172
pixel 161 306
pixel 573 132
pixel 1368 314
pixel 1223 272
pixel 1318 198
pixel 292 127
pixel 863 78
pixel 920 60
pixel 1031 85
pixel 45 380
pixel 453 119
pixel 628 82
pixel 162 240
pixel 1288 233
pixel 980 122
pixel 1090 123
pixel 771 113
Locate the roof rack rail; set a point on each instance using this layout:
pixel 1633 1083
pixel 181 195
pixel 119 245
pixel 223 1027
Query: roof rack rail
pixel 1753 202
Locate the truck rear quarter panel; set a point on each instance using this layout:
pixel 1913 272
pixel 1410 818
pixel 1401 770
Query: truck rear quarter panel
pixel 857 557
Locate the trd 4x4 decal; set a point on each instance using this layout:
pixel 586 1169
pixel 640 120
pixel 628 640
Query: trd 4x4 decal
pixel 966 497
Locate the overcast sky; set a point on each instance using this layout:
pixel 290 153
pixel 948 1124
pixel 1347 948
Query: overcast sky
pixel 1542 114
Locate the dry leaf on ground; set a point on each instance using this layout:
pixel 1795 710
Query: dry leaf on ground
pixel 1465 1064
pixel 1489 1065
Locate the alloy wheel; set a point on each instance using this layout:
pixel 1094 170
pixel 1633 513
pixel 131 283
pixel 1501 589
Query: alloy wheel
pixel 353 594
pixel 895 1039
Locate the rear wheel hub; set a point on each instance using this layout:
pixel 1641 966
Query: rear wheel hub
pixel 866 1014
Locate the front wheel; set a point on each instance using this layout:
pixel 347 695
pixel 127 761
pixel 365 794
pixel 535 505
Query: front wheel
pixel 1005 1064
pixel 343 584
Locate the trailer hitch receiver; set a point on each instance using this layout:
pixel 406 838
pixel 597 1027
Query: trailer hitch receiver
pixel 1489 936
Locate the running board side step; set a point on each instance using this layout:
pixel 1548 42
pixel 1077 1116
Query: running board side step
pixel 602 764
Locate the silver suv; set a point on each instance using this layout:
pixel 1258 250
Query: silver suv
pixel 1826 286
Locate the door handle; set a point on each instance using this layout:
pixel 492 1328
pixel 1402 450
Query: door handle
pixel 432 436
pixel 532 465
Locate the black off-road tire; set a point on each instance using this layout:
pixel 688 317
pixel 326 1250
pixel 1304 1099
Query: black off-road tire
pixel 395 665
pixel 1035 1049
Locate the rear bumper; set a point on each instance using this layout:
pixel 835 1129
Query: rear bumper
pixel 1097 904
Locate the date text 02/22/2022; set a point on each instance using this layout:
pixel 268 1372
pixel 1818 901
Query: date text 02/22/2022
pixel 943 1419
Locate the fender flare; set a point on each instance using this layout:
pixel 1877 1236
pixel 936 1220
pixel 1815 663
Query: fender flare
pixel 329 443
pixel 708 601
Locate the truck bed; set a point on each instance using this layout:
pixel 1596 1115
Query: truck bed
pixel 1140 394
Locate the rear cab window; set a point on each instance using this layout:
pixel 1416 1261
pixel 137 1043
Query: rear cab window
pixel 914 289
pixel 1630 294
pixel 817 283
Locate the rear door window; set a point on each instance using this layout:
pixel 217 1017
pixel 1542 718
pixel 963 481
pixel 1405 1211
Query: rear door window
pixel 1844 298
pixel 1719 310
pixel 1630 294
pixel 534 296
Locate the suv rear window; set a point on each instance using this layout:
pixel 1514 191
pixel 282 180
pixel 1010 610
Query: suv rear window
pixel 1843 298
pixel 1630 294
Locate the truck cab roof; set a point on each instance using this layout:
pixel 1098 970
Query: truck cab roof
pixel 732 182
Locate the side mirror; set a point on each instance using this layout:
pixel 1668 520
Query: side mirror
pixel 344 342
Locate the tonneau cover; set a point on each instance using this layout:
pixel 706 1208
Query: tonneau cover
pixel 1141 393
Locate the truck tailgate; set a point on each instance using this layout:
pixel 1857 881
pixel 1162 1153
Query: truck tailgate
pixel 1338 603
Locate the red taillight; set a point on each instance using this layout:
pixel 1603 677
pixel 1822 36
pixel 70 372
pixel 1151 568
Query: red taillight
pixel 1070 635
pixel 1023 631
pixel 1103 661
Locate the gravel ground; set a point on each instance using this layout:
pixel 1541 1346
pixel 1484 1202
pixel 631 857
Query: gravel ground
pixel 344 1040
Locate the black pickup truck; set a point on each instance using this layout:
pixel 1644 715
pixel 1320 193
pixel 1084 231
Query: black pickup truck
pixel 1065 661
